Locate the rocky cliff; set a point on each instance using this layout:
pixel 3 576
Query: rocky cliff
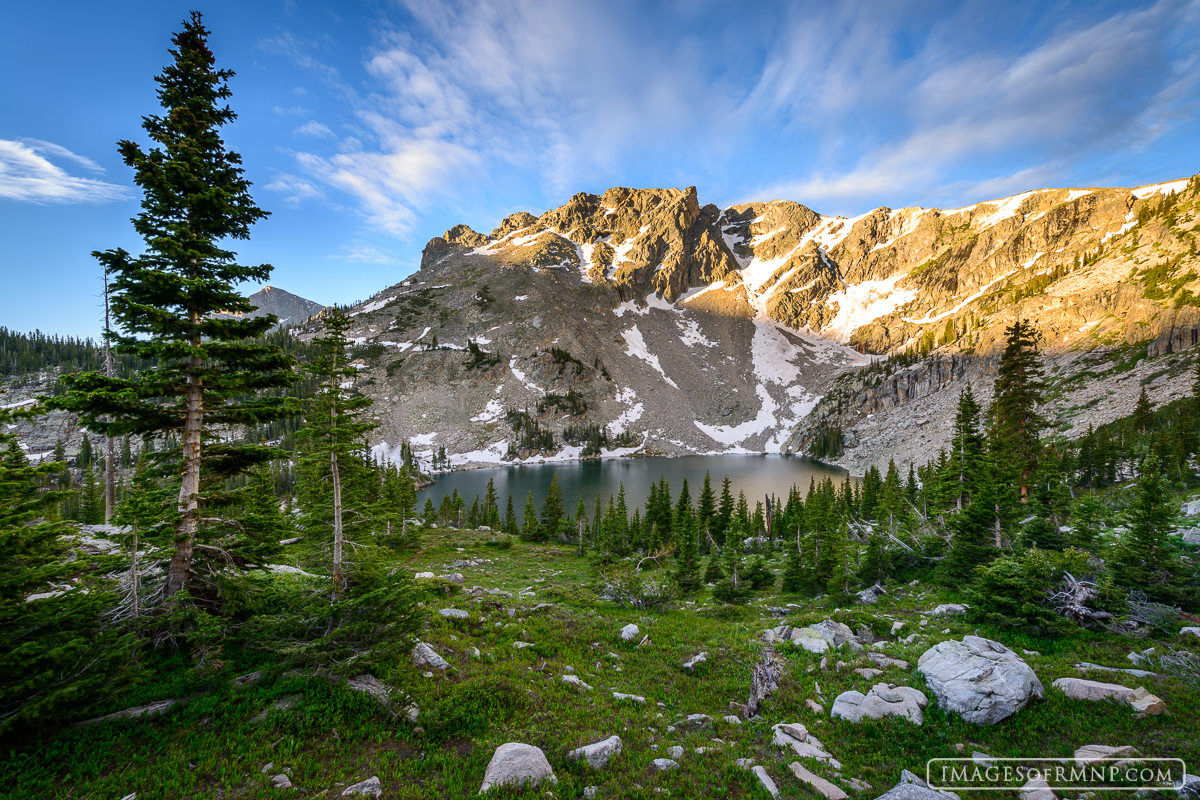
pixel 684 328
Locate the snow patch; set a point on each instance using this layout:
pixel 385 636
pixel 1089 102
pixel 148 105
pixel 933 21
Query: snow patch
pixel 1160 188
pixel 637 347
pixel 492 412
pixel 423 439
pixel 1075 194
pixel 628 416
pixel 530 385
pixel 863 303
pixel 690 334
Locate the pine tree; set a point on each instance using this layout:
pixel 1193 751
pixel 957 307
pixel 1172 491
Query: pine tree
pixel 91 503
pixel 724 512
pixel 335 477
pixel 1143 412
pixel 86 457
pixel 509 525
pixel 552 510
pixel 687 568
pixel 491 509
pixel 1143 559
pixel 147 513
pixel 706 511
pixel 1016 422
pixel 207 375
pixel 57 658
pixel 876 566
pixel 966 449
pixel 530 530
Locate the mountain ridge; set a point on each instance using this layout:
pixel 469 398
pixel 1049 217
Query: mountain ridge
pixel 699 329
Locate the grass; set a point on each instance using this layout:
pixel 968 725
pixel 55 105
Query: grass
pixel 212 747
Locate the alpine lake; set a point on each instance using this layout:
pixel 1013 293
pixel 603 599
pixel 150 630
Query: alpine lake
pixel 757 475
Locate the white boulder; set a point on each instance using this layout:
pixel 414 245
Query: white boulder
pixel 597 754
pixel 981 680
pixel 516 764
pixel 884 699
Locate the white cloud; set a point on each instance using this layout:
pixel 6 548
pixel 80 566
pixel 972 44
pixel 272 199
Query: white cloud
pixel 1112 84
pixel 295 189
pixel 27 174
pixel 316 130
pixel 846 103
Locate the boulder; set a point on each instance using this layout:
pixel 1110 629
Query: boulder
pixel 819 784
pixel 1191 508
pixel 948 609
pixel 424 576
pixel 911 787
pixel 1037 789
pixel 1080 689
pixel 575 681
pixel 629 632
pixel 872 595
pixel 371 786
pixel 765 780
pixel 1087 666
pixel 633 698
pixel 697 721
pixel 1090 753
pixel 424 655
pixel 1145 704
pixel 453 577
pixel 695 661
pixel 869 674
pixel 516 764
pixel 597 754
pixel 803 743
pixel 281 781
pixel 981 680
pixel 884 699
pixel 664 764
pixel 887 661
pixel 675 753
pixel 454 613
pixel 1191 631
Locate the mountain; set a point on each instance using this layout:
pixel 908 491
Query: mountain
pixel 291 309
pixel 694 329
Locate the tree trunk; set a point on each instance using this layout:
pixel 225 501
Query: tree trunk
pixel 189 489
pixel 133 568
pixel 337 527
pixel 110 466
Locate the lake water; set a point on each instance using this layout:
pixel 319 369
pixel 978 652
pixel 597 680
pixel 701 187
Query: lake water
pixel 756 475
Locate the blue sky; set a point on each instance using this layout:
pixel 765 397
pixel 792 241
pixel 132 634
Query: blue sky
pixel 368 128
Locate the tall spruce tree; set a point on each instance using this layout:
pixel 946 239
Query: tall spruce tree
pixel 335 476
pixel 208 374
pixel 1016 421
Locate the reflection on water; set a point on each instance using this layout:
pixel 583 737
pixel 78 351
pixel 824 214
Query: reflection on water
pixel 756 475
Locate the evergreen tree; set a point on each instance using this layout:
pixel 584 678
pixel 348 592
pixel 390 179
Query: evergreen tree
pixel 1143 413
pixel 706 510
pixel 724 512
pixel 620 534
pixel 509 525
pixel 687 568
pixel 972 530
pixel 1143 559
pixel 876 566
pixel 530 530
pixel 57 657
pixel 207 375
pixel 552 509
pixel 86 457
pixel 965 459
pixel 148 514
pixel 1016 421
pixel 893 506
pixel 91 505
pixel 491 509
pixel 335 476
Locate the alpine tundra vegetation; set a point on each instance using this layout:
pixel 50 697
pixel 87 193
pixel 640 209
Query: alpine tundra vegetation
pixel 1008 568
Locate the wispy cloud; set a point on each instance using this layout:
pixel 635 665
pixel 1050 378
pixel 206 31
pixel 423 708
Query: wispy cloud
pixel 833 104
pixel 1015 119
pixel 315 129
pixel 27 174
